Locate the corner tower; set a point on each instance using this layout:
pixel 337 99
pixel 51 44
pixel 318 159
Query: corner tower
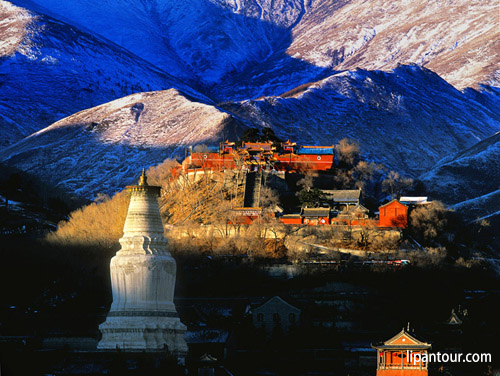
pixel 402 355
pixel 143 314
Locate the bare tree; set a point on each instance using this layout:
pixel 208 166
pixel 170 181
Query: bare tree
pixel 348 152
pixel 394 184
pixel 428 221
pixel 365 174
pixel 269 199
pixel 201 148
pixel 306 183
pixel 162 174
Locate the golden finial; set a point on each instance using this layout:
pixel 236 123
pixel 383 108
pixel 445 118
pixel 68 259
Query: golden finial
pixel 143 180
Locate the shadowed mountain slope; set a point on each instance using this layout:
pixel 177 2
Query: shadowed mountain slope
pixel 299 58
pixel 470 180
pixel 408 119
pixel 49 70
pixel 249 48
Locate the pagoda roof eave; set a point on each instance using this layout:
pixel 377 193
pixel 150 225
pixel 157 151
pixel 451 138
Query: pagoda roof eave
pixel 401 347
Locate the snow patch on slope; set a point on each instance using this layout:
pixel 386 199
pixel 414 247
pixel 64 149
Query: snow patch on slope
pixel 14 22
pixel 482 207
pixel 470 180
pixel 192 39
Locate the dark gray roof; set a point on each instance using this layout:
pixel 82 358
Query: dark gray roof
pixel 358 208
pixel 274 302
pixel 348 195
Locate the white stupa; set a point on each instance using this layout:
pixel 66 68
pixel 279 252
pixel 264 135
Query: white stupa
pixel 143 314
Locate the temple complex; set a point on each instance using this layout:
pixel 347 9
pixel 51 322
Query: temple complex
pixel 258 156
pixel 143 315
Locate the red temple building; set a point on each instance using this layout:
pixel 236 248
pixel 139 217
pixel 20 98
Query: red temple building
pixel 315 216
pixel 262 155
pixel 393 214
pixel 402 355
pixel 304 158
pixel 213 158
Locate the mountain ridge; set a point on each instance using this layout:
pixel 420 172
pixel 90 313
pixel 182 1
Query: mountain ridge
pixel 229 42
pixel 52 70
pixel 471 174
pixel 392 114
pixel 358 104
pixel 103 148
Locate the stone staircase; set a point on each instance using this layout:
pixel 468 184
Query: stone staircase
pixel 252 189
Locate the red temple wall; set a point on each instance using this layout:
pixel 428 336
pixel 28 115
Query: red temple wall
pixel 393 214
pixel 291 221
pixel 213 161
pixel 305 162
pixel 293 162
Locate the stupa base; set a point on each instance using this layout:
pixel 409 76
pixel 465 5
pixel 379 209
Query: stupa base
pixel 144 332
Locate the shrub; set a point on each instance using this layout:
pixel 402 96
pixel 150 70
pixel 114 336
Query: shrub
pixel 99 224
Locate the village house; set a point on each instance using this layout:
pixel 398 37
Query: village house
pixel 276 314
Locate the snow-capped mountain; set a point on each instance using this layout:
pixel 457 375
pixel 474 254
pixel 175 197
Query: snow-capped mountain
pixel 457 39
pixel 104 148
pixel 49 70
pixel 204 39
pixel 250 48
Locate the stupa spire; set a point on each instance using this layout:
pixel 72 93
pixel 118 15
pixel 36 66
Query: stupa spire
pixel 143 314
pixel 143 180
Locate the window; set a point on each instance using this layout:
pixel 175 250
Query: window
pixel 276 317
pixel 260 317
pixel 291 318
pixel 206 372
